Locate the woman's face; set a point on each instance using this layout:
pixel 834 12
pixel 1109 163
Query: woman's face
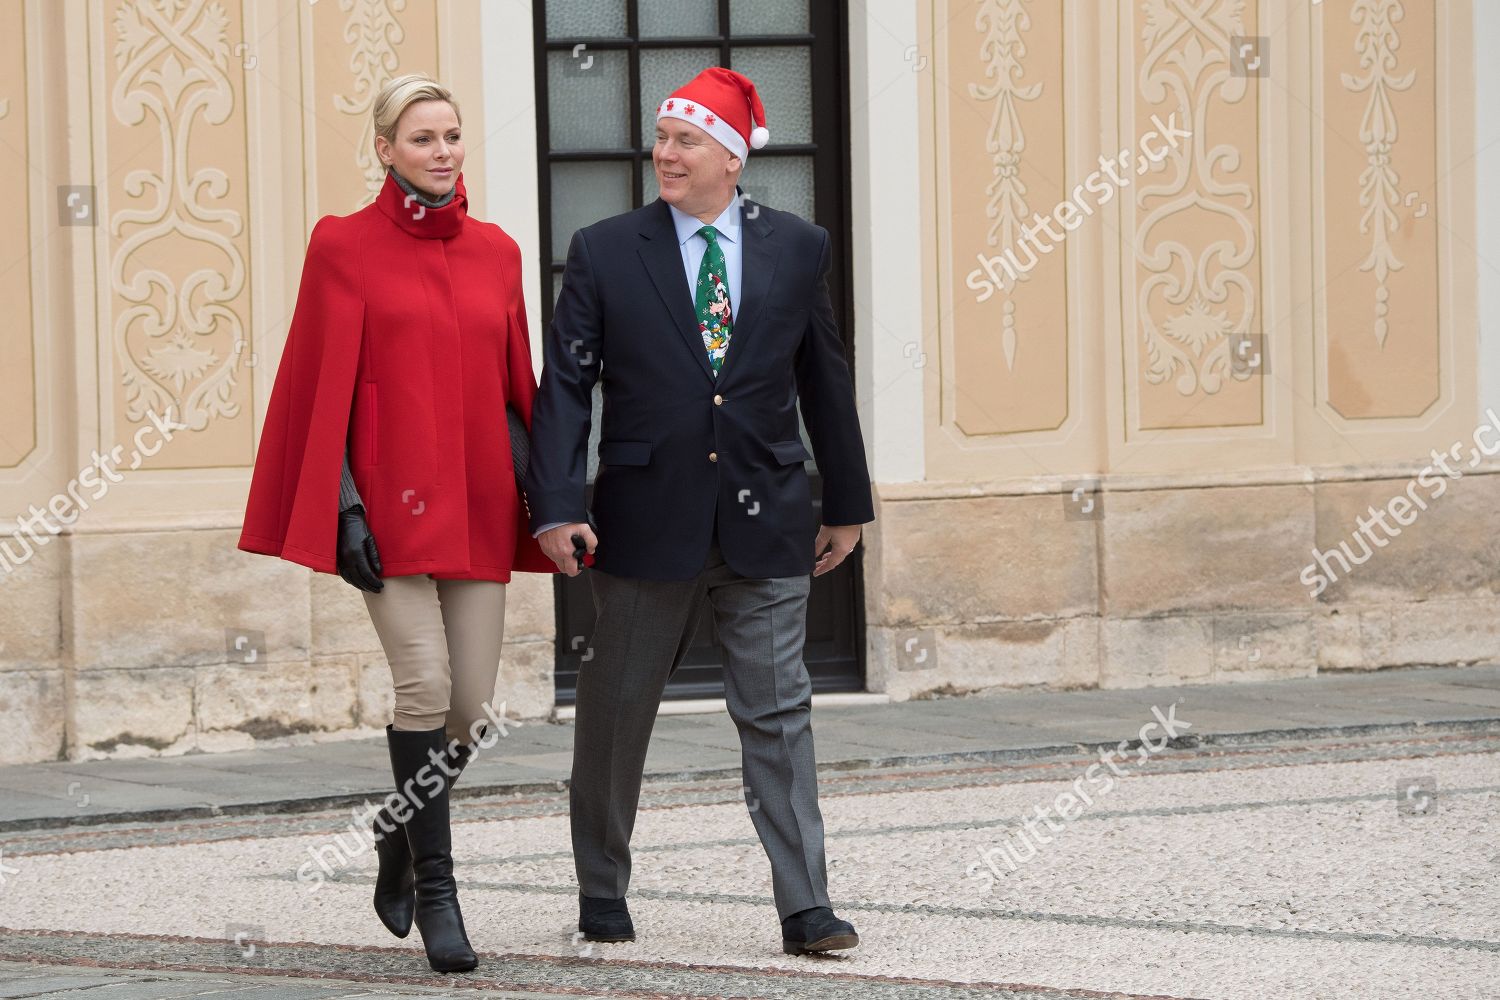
pixel 429 148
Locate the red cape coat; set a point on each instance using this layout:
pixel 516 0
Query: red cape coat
pixel 410 321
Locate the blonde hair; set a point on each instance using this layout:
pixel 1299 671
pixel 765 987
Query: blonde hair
pixel 401 93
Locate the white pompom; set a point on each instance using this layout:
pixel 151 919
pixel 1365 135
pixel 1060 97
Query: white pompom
pixel 759 137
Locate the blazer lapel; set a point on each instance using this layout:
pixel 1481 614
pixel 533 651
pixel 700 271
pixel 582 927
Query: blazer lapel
pixel 761 252
pixel 663 259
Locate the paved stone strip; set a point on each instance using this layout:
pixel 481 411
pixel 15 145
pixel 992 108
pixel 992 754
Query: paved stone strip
pixel 668 795
pixel 983 913
pixel 865 832
pixel 1241 872
pixel 359 969
pixel 59 982
pixel 999 728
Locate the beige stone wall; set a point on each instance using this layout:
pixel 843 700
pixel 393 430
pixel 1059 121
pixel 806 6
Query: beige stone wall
pixel 1112 495
pixel 1106 493
pixel 1197 582
pixel 199 144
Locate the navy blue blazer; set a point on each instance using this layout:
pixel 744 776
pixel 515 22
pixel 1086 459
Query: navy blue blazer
pixel 681 451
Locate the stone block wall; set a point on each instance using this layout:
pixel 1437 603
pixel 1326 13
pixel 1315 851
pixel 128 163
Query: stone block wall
pixel 969 590
pixel 119 644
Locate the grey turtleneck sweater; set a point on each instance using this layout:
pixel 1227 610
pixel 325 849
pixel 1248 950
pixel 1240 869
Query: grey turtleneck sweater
pixel 349 494
pixel 421 197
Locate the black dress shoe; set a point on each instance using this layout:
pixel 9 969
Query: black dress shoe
pixel 815 931
pixel 606 920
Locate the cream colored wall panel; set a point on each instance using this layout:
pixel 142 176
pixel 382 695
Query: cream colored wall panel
pixel 1195 229
pixel 1393 357
pixel 1485 38
pixel 1009 349
pixel 1198 281
pixel 45 276
pixel 888 264
pixel 350 49
pixel 18 373
pixel 1378 132
pixel 460 66
pixel 172 246
pixel 1011 119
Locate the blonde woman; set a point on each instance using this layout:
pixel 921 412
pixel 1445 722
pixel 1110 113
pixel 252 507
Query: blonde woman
pixel 388 422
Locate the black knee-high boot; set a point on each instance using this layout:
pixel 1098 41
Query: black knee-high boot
pixel 395 885
pixel 430 840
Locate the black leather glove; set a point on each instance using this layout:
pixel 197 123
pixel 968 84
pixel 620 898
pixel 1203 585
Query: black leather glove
pixel 359 563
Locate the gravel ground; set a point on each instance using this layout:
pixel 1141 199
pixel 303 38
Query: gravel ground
pixel 1360 870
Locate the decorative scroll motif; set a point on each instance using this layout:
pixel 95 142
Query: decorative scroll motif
pixel 1205 292
pixel 1003 22
pixel 1379 183
pixel 180 340
pixel 373 31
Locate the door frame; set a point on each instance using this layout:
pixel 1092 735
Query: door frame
pixel 828 37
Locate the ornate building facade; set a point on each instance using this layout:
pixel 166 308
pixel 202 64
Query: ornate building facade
pixel 1156 310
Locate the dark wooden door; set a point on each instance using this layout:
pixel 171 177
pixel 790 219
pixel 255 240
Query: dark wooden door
pixel 602 68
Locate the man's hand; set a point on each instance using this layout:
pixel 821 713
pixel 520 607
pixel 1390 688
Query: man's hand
pixel 558 545
pixel 839 540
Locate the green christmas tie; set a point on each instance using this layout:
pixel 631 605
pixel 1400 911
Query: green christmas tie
pixel 715 316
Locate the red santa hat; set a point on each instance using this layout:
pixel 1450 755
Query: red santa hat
pixel 724 104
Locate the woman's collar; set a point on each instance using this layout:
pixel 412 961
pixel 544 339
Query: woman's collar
pixel 418 213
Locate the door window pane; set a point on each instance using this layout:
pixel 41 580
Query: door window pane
pixel 784 182
pixel 783 75
pixel 679 18
pixel 586 18
pixel 663 71
pixel 768 17
pixel 584 193
pixel 587 94
pixel 650 187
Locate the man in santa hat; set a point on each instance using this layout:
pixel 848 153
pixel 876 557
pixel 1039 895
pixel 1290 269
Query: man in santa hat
pixel 708 320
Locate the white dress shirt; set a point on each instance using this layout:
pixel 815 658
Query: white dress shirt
pixel 695 246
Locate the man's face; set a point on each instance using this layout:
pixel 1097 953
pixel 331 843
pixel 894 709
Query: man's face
pixel 696 173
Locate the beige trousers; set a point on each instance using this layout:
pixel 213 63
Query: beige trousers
pixel 442 638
